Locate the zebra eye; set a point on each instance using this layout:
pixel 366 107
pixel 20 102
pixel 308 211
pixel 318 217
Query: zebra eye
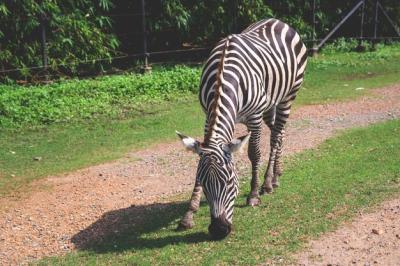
pixel 227 156
pixel 230 182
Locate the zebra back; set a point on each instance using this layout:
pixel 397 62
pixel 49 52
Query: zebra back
pixel 249 73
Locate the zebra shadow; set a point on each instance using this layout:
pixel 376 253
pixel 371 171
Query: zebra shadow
pixel 130 229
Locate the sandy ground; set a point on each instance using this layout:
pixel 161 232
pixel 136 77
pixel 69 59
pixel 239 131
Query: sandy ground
pixel 45 222
pixel 370 239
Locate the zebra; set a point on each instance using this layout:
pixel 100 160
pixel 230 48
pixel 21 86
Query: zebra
pixel 248 78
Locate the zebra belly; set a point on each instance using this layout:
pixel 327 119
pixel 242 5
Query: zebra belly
pixel 255 112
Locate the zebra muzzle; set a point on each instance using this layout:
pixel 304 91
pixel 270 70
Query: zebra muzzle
pixel 219 227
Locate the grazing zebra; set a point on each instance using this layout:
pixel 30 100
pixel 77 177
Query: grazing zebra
pixel 249 77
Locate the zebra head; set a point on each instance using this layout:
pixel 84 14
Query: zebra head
pixel 217 175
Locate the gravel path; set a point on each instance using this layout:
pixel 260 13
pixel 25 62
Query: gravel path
pixel 45 222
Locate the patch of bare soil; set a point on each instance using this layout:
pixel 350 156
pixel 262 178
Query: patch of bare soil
pixel 370 239
pixel 51 222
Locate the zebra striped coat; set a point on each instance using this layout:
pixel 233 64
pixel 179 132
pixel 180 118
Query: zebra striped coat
pixel 248 78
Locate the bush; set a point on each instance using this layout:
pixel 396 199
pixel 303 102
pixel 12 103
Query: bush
pixel 74 100
pixel 76 31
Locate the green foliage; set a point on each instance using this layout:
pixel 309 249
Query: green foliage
pixel 298 14
pixel 113 96
pixel 350 45
pixel 341 45
pixel 204 22
pixel 75 31
pixel 81 32
pixel 120 96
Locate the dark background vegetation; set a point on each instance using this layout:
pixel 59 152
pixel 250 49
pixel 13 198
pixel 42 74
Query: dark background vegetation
pixel 80 32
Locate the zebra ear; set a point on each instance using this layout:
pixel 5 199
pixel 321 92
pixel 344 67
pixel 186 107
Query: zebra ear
pixel 239 143
pixel 190 143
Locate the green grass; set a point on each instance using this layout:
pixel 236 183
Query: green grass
pixel 69 147
pixel 336 76
pixel 320 189
pixel 68 144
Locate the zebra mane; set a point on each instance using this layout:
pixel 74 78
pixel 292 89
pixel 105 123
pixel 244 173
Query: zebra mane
pixel 217 94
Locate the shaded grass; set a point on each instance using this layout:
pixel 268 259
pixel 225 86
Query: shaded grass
pixel 70 146
pixel 320 189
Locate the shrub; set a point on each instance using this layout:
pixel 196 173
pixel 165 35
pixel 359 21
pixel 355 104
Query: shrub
pixel 112 96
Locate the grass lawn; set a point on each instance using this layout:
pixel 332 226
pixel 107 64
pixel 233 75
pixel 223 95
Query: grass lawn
pixel 76 144
pixel 69 147
pixel 320 189
pixel 336 76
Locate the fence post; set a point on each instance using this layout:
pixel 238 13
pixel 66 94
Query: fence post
pixel 146 68
pixel 360 47
pixel 375 25
pixel 314 21
pixel 43 22
pixel 314 49
pixel 396 29
pixel 348 15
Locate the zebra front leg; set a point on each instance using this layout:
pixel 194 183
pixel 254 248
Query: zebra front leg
pixel 254 155
pixel 187 220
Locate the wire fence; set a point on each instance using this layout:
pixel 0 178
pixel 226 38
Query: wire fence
pixel 135 43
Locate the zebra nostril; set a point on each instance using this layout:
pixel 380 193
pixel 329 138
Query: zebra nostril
pixel 219 228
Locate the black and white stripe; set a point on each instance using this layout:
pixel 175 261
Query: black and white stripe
pixel 248 78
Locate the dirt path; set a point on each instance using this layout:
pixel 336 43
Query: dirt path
pixel 370 239
pixel 44 223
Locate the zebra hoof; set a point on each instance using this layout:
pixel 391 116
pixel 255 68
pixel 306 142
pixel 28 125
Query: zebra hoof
pixel 253 201
pixel 185 225
pixel 266 190
pixel 275 185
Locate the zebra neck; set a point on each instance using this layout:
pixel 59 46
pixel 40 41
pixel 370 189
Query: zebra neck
pixel 221 130
pixel 221 123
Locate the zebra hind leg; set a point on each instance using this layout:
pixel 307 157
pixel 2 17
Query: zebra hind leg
pixel 269 119
pixel 275 166
pixel 254 154
pixel 187 220
pixel 282 115
pixel 278 165
pixel 267 186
